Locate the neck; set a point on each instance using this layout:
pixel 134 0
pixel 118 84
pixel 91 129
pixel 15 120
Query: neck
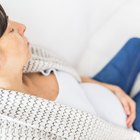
pixel 12 80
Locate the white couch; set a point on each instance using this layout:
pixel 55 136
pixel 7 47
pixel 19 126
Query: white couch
pixel 86 33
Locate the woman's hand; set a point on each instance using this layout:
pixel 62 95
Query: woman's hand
pixel 128 104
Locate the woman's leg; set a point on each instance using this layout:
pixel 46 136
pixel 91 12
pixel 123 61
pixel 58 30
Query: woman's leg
pixel 136 124
pixel 124 67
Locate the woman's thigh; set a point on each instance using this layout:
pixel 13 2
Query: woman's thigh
pixel 136 123
pixel 124 67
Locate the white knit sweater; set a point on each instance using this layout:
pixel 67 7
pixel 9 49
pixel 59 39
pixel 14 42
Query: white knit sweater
pixel 43 59
pixel 25 117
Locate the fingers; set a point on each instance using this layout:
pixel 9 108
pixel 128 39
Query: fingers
pixel 128 104
pixel 130 109
pixel 129 121
pixel 132 115
pixel 125 106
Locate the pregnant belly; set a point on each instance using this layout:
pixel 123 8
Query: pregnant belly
pixel 105 103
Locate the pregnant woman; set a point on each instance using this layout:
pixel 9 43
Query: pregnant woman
pixel 105 95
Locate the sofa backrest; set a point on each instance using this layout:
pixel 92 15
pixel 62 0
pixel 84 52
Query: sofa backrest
pixel 110 38
pixel 65 26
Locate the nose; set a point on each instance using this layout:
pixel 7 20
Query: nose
pixel 21 28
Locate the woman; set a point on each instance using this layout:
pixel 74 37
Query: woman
pixel 51 84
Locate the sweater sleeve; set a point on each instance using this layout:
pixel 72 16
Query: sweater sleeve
pixel 28 117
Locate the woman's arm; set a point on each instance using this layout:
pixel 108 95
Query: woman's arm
pixel 128 104
pixel 85 79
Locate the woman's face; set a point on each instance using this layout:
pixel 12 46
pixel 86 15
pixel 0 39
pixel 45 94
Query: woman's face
pixel 14 46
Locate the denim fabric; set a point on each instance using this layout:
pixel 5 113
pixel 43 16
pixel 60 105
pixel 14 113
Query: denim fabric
pixel 122 70
pixel 136 124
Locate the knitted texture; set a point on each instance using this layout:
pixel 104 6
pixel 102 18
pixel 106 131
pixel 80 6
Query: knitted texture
pixel 32 118
pixel 43 59
pixel 26 117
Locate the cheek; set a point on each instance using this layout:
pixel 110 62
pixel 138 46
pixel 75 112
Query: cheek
pixel 14 46
pixel 24 51
pixel 21 46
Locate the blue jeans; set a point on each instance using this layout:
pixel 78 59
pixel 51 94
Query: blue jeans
pixel 122 71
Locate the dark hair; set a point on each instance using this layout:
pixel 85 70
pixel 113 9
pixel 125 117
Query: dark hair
pixel 3 21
